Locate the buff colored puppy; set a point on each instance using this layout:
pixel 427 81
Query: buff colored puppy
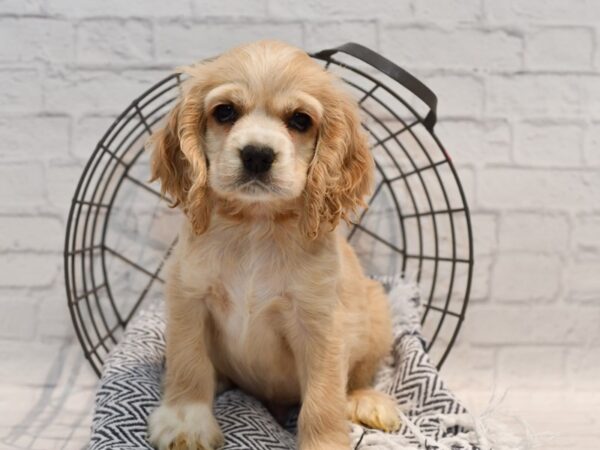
pixel 265 154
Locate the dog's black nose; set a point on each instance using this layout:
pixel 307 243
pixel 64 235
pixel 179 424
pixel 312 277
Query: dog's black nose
pixel 257 159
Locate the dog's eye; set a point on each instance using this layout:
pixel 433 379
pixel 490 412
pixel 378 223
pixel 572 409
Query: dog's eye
pixel 300 122
pixel 225 113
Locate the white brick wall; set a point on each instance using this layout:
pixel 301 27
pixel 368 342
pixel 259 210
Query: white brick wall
pixel 519 89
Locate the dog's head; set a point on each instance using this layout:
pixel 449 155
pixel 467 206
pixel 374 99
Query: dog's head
pixel 264 126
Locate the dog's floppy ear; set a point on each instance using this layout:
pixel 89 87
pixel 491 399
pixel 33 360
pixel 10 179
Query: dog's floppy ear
pixel 178 159
pixel 341 172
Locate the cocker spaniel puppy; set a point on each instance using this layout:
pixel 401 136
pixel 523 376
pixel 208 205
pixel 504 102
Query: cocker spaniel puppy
pixel 265 154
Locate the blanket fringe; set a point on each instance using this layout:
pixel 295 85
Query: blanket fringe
pixel 492 430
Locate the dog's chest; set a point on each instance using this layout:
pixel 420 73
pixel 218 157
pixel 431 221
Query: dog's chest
pixel 253 286
pixel 248 300
pixel 248 283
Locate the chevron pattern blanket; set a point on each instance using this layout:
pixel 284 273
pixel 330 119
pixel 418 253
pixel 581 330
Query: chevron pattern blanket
pixel 432 418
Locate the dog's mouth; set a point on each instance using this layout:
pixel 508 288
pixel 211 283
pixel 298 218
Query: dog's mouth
pixel 254 185
pixel 257 187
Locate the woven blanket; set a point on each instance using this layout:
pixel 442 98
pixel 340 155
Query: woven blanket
pixel 432 418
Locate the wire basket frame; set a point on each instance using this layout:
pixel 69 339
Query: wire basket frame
pixel 120 230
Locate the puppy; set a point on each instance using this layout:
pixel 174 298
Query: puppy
pixel 265 154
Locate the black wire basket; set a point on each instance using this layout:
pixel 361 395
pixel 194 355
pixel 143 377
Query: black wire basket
pixel 120 231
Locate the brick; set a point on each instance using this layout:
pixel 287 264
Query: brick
pixel 532 367
pixel 87 132
pixel 539 189
pixel 582 279
pixel 18 320
pixel 466 175
pixel 31 233
pixel 108 41
pixel 458 95
pixel 21 7
pixel 15 194
pixel 20 137
pixel 21 89
pixel 55 321
pixel 118 8
pixel 463 48
pixel 231 8
pixel 544 95
pixel 590 85
pixel 322 35
pixel 583 368
pixel 63 179
pixel 534 232
pixel 34 38
pixel 485 232
pixel 449 10
pixel 548 144
pixel 526 277
pixel 353 9
pixel 562 49
pixel 592 144
pixel 543 11
pixel 587 233
pixel 470 368
pixel 475 143
pixel 186 43
pixel 28 269
pixel 596 58
pixel 537 95
pixel 100 92
pixel 482 275
pixel 54 318
pixel 517 324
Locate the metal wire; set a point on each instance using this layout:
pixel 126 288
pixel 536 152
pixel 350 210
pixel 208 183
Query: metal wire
pixel 100 314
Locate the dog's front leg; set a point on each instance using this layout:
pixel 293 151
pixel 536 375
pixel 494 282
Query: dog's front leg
pixel 184 420
pixel 320 358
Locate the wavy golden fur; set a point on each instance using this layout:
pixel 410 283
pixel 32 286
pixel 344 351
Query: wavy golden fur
pixel 262 292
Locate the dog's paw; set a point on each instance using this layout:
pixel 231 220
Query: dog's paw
pixel 373 409
pixel 184 427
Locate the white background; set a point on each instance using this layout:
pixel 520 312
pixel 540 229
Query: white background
pixel 519 106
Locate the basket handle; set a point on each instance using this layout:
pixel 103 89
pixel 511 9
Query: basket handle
pixel 392 70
